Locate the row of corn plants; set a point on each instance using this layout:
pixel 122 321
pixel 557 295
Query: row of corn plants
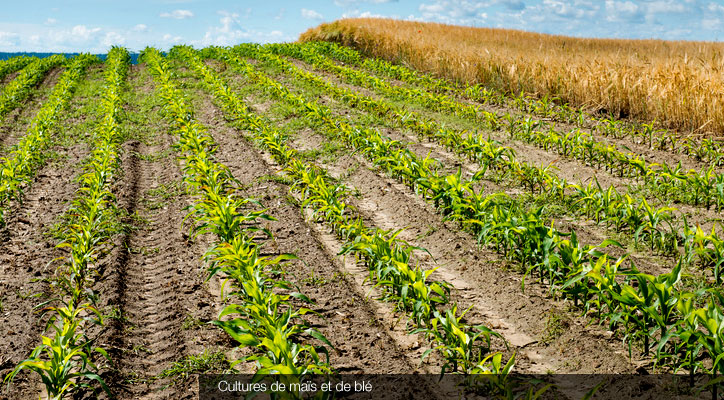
pixel 65 359
pixel 656 226
pixel 20 88
pixel 708 150
pixel 388 258
pixel 18 167
pixel 260 313
pixel 703 187
pixel 685 329
pixel 14 64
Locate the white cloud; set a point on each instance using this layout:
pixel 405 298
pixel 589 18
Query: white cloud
pixel 9 39
pixel 661 7
pixel 82 32
pixel 50 21
pixel 711 24
pixel 437 8
pixel 578 9
pixel 715 8
pixel 177 14
pixel 140 28
pixel 461 12
pixel 231 32
pixel 365 14
pixel 664 19
pixel 311 14
pixel 113 39
pixel 341 3
pixel 171 39
pixel 621 11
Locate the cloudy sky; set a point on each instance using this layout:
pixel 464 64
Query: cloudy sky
pixel 95 25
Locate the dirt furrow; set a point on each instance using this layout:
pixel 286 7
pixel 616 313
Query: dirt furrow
pixel 479 277
pixel 7 79
pixel 587 231
pixel 574 171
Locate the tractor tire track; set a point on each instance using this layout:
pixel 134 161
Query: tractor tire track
pixel 158 281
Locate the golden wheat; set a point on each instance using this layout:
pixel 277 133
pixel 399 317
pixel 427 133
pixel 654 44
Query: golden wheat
pixel 677 83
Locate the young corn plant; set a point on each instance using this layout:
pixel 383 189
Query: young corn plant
pixel 64 360
pixel 705 149
pixel 529 244
pixel 574 144
pixel 602 275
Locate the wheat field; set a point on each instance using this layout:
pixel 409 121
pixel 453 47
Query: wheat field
pixel 676 83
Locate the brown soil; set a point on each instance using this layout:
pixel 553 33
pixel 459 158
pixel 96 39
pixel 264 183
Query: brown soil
pixel 477 274
pixel 571 170
pixel 154 278
pixel 9 77
pixel 637 145
pixel 587 231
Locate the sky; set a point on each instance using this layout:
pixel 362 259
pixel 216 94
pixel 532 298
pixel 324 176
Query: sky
pixel 96 25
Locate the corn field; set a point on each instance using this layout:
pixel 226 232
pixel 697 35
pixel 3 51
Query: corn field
pixel 303 209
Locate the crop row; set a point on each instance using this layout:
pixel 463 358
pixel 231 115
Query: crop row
pixel 388 259
pixel 708 150
pixel 686 327
pixel 705 187
pixel 18 167
pixel 14 64
pixel 260 316
pixel 15 92
pixel 657 226
pixel 64 360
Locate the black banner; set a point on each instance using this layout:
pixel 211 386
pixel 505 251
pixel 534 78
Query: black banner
pixel 451 386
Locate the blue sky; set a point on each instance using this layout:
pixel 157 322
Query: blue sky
pixel 95 25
